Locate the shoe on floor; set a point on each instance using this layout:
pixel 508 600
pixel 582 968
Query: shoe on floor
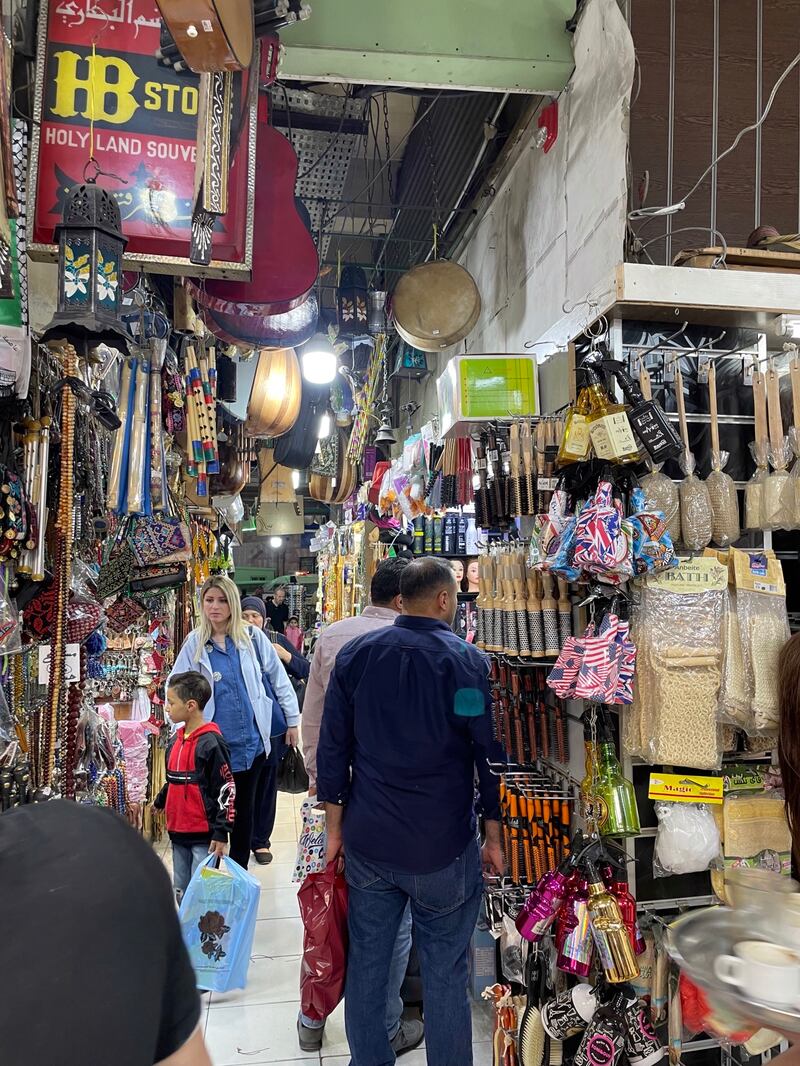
pixel 410 1035
pixel 263 856
pixel 310 1039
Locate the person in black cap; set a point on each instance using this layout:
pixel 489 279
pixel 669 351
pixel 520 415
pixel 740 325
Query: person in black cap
pixel 254 612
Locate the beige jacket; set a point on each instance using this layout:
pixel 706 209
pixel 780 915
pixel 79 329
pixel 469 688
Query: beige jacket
pixel 330 642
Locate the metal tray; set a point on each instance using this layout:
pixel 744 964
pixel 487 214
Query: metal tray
pixel 695 940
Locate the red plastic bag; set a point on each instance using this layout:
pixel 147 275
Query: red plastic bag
pixel 323 908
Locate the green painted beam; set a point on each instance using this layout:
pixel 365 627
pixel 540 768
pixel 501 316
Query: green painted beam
pixel 496 45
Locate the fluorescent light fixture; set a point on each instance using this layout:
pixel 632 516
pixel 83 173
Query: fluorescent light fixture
pixel 295 480
pixel 324 427
pixel 318 360
pixel 275 542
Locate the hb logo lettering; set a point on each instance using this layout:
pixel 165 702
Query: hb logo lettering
pixel 105 94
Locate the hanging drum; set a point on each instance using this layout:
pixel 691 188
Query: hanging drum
pixel 275 396
pixel 435 305
pixel 324 489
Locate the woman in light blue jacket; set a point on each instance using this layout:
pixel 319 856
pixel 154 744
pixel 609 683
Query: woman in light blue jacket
pixel 235 658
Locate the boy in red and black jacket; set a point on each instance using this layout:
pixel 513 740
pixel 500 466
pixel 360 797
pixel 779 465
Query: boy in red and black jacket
pixel 200 793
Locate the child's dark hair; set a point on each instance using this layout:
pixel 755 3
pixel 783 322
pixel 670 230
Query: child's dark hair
pixel 191 685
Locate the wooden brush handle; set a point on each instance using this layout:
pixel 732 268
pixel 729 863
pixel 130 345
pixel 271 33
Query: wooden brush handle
pixel 645 384
pixel 760 406
pixel 712 402
pixel 774 408
pixel 794 374
pixel 682 411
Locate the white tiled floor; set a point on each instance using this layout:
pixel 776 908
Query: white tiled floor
pixel 256 1025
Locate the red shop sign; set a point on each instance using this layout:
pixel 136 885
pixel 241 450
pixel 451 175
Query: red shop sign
pixel 144 131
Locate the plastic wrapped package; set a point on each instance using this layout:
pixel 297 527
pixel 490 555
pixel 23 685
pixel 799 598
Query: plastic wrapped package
pixel 759 447
pixel 677 628
pixel 755 832
pixel 794 437
pixel 687 840
pixel 312 843
pixel 661 494
pixel 734 693
pixel 721 489
pixel 777 509
pixel 697 519
pixel 764 629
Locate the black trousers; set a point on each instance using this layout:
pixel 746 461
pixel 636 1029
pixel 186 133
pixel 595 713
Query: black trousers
pixel 267 796
pixel 247 782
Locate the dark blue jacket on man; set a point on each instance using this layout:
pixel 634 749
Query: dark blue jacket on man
pixel 407 723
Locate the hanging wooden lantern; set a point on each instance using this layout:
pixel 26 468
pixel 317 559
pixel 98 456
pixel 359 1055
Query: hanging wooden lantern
pixel 351 300
pixel 90 247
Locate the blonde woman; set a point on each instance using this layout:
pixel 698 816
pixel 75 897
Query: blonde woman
pixel 251 699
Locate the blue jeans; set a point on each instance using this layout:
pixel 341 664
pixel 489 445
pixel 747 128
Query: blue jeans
pixel 185 860
pixel 444 908
pixel 397 973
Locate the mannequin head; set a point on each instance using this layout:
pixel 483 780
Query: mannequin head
pixel 457 566
pixel 473 574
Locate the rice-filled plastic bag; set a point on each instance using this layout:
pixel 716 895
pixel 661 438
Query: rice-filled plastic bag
pixel 759 447
pixel 778 494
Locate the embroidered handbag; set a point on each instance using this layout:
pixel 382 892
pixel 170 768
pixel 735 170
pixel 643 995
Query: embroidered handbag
pixel 326 461
pixel 123 613
pixel 156 539
pixel 158 578
pixel 115 568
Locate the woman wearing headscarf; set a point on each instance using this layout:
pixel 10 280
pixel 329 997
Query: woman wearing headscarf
pixel 254 612
pixel 250 693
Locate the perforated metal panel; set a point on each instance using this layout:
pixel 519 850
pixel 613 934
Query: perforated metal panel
pixel 328 176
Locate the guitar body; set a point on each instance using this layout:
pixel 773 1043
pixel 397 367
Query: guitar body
pixel 289 330
pixel 211 35
pixel 276 394
pixel 324 489
pixel 285 260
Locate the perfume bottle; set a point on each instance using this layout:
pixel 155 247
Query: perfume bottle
pixel 609 931
pixel 543 904
pixel 587 802
pixel 617 884
pixel 615 800
pixel 609 428
pixel 573 936
pixel 576 441
pixel 651 425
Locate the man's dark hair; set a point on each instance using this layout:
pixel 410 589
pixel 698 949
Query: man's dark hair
pixel 424 578
pixel 385 583
pixel 191 685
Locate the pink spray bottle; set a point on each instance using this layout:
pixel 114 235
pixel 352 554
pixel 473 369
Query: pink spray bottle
pixel 543 904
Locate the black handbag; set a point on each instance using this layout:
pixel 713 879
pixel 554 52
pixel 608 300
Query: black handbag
pixel 292 776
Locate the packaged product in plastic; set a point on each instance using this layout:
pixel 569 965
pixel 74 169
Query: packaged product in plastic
pixel 312 843
pixel 756 834
pixel 653 550
pixel 764 629
pixel 661 494
pixel 777 509
pixel 721 488
pixel 697 519
pixel 759 447
pixel 687 840
pixel 218 921
pixel 734 693
pixel 676 625
pixel 794 438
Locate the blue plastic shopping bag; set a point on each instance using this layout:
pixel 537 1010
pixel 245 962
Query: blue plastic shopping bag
pixel 218 920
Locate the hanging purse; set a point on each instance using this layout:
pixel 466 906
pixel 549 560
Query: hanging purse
pixel 156 540
pixel 123 613
pixel 279 724
pixel 158 578
pixel 326 460
pixel 115 566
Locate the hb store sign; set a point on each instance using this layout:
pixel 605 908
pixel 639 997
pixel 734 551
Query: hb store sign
pixel 96 61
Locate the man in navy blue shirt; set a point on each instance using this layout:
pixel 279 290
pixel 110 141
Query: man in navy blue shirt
pixel 406 726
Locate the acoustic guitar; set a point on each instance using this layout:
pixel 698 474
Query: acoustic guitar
pixel 335 490
pixel 211 35
pixel 275 394
pixel 285 260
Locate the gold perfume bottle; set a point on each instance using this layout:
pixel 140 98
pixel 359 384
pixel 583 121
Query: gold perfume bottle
pixel 575 441
pixel 609 931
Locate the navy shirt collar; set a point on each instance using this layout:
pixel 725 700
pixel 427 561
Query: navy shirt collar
pixel 415 621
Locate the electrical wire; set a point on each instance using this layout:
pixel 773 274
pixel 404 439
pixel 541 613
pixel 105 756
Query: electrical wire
pixel 333 138
pixel 670 209
pixel 720 259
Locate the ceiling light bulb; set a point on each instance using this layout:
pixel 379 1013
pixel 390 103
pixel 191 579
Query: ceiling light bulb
pixel 295 479
pixel 318 360
pixel 325 426
pixel 275 542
